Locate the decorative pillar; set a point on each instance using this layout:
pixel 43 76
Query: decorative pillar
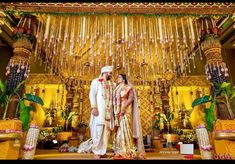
pixel 70 88
pixel 18 67
pixel 164 87
pixel 164 84
pixel 215 68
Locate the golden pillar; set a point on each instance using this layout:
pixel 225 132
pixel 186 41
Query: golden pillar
pixel 164 84
pixel 70 88
pixel 215 68
pixel 18 67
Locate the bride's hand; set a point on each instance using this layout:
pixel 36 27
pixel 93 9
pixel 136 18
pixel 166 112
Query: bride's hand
pixel 123 112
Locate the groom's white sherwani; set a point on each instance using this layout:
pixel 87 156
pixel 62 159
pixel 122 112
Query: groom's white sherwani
pixel 98 125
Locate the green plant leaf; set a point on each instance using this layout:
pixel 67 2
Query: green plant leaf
pixel 225 85
pixel 25 114
pixel 2 86
pixel 71 114
pixel 34 98
pixel 232 96
pixel 18 86
pixel 22 105
pixel 209 116
pixel 200 101
pixel 3 100
pixel 29 108
pixel 25 118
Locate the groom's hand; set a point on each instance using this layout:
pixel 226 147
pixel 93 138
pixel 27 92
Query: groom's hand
pixel 95 112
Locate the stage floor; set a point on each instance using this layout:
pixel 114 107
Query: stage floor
pixel 55 155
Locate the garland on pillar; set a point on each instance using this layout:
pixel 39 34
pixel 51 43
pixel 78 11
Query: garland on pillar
pixel 216 69
pixel 18 67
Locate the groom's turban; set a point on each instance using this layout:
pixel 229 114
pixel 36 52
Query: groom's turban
pixel 107 69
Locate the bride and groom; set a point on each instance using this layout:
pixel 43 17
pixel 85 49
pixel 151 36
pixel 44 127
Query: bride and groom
pixel 114 109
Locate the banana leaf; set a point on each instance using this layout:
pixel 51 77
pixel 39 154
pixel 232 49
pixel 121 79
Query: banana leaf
pixel 209 116
pixel 232 96
pixel 2 86
pixel 25 115
pixel 34 98
pixel 225 85
pixel 200 101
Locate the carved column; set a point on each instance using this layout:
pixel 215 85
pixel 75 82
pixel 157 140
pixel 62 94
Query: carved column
pixel 164 87
pixel 215 68
pixel 18 67
pixel 70 88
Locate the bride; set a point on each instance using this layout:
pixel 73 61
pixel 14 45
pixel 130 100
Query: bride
pixel 128 139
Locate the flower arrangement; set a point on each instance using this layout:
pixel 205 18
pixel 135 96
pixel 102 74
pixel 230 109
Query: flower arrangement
pixel 162 120
pixel 67 115
pixel 46 135
pixel 188 137
pixel 82 124
pixel 57 128
pixel 20 32
pixel 177 130
pixel 23 29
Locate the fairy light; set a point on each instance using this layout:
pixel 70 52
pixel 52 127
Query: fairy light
pixel 125 41
pixel 47 28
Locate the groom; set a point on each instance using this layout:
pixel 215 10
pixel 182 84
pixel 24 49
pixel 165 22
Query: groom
pixel 101 121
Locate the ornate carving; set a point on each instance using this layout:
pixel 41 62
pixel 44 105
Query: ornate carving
pixel 225 125
pixel 146 110
pixel 141 8
pixel 22 48
pixel 224 146
pixel 10 125
pixel 164 86
pixel 191 81
pixel 43 79
pixel 212 50
pixel 70 88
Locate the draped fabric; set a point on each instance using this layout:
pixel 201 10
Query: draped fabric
pixel 129 125
pixel 99 125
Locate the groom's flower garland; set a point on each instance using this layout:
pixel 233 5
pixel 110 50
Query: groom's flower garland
pixel 108 92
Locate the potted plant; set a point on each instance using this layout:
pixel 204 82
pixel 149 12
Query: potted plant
pixel 223 95
pixel 82 127
pixel 158 121
pixel 46 138
pixel 67 116
pixel 5 97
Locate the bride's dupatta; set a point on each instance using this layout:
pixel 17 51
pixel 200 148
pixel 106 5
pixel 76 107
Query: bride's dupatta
pixel 136 125
pixel 136 122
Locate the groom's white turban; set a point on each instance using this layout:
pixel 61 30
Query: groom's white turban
pixel 107 69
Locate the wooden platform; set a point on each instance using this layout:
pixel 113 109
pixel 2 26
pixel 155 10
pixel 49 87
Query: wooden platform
pixel 55 155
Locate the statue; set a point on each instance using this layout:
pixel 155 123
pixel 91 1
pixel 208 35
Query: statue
pixel 184 116
pixel 50 114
